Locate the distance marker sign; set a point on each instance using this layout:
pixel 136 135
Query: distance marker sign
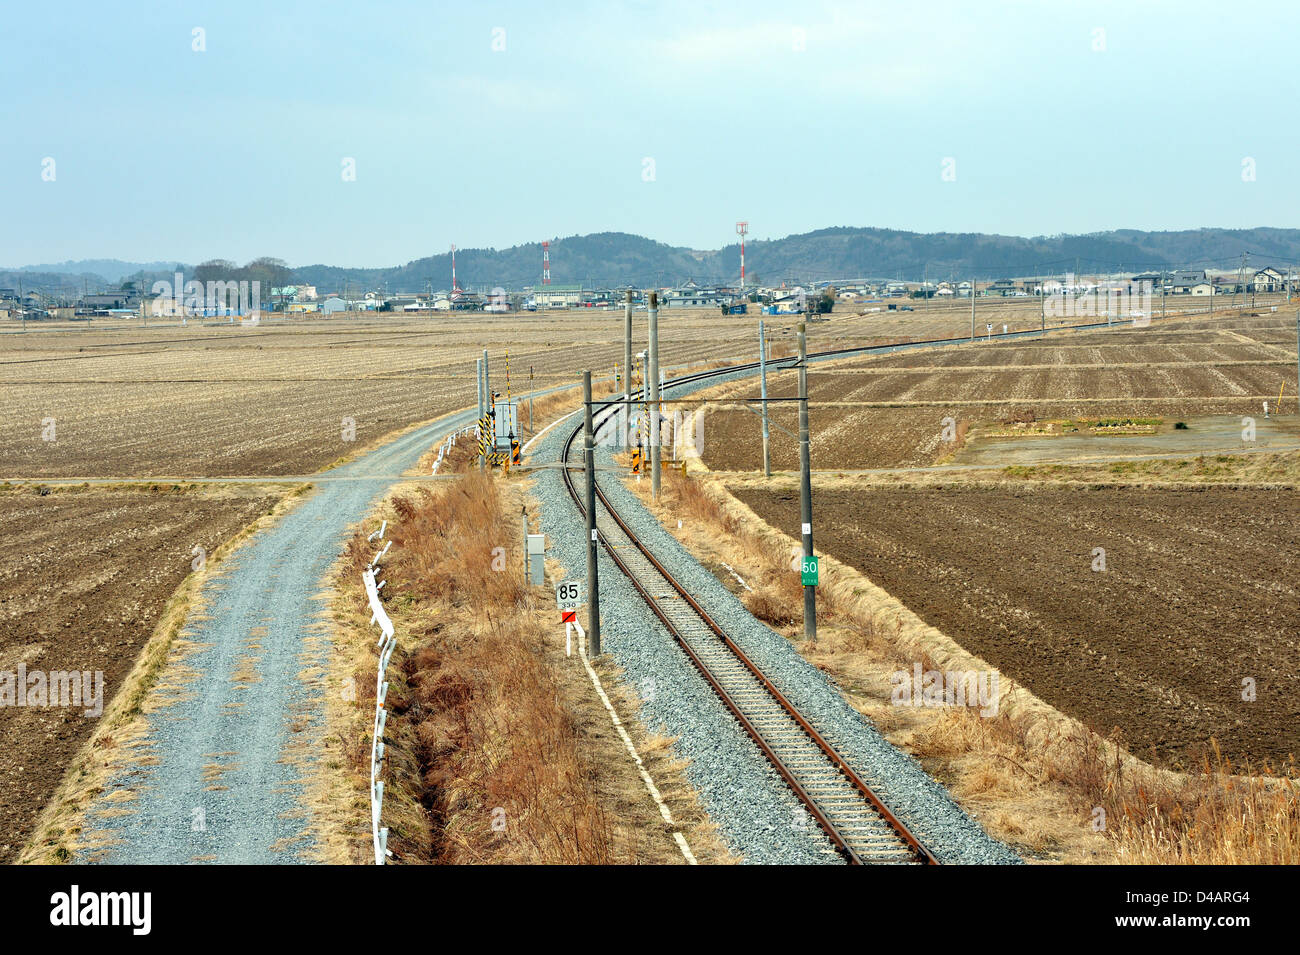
pixel 808 571
pixel 568 594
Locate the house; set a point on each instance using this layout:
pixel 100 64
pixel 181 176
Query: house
pixel 788 304
pixel 691 295
pixel 1182 281
pixel 295 293
pixel 1204 287
pixel 462 301
pixel 102 303
pixel 95 301
pixel 333 305
pixel 1003 287
pixel 1268 280
pixel 557 296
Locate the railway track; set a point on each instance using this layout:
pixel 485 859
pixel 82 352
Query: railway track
pixel 849 809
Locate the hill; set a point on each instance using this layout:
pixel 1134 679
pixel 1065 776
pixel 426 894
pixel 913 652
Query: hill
pixel 613 259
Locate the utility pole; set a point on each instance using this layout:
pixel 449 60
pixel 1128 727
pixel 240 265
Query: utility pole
pixel 1297 360
pixel 805 486
pixel 1164 286
pixel 1241 278
pixel 652 379
pixel 1042 308
pixel 626 414
pixel 972 309
pixel 762 375
pixel 478 370
pixel 589 463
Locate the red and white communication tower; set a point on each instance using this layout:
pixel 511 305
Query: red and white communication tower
pixel 454 286
pixel 546 263
pixel 741 229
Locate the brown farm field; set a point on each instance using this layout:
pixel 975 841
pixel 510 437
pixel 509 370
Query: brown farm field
pixel 223 400
pixel 90 570
pixel 84 577
pixel 1198 594
pixel 220 400
pixel 889 411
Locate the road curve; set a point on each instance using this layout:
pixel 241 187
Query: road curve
pixel 223 784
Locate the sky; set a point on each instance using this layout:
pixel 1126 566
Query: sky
pixel 371 134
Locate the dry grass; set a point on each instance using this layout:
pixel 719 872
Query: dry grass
pixel 497 750
pixel 1049 787
pixel 1218 815
pixel 487 765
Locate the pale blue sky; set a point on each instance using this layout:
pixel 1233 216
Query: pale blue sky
pixel 162 152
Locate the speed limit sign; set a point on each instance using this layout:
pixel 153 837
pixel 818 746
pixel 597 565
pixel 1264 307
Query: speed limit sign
pixel 568 594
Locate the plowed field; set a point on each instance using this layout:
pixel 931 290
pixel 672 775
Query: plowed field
pixel 1198 594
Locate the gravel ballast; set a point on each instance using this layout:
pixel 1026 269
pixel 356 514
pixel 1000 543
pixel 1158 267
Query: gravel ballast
pixel 757 815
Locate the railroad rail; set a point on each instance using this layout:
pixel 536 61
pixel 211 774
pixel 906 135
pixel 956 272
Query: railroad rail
pixel 848 808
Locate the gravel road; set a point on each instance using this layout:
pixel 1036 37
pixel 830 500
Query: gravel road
pixel 225 784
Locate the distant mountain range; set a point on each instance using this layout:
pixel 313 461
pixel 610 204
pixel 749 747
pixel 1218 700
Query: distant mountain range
pixel 106 270
pixel 613 259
